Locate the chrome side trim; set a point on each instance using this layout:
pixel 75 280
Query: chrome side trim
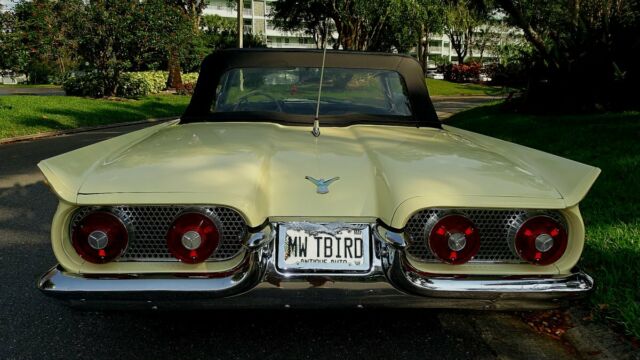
pixel 257 282
pixel 261 238
pixel 394 239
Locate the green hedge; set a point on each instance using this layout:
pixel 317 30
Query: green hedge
pixel 132 84
pixel 190 78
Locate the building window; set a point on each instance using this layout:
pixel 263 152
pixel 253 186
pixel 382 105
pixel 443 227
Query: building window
pixel 286 40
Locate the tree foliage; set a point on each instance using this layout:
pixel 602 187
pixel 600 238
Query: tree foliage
pixel 107 40
pixel 190 11
pixel 464 18
pixel 14 55
pixel 431 20
pixel 374 25
pixel 48 39
pixel 37 38
pixel 585 51
pixel 222 33
pixel 116 35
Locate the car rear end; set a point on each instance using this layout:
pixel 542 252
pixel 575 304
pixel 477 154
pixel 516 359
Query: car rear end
pixel 170 256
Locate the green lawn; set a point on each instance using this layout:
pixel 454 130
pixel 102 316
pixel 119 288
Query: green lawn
pixel 611 210
pixel 448 88
pixel 24 115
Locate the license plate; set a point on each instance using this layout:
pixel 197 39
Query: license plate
pixel 307 246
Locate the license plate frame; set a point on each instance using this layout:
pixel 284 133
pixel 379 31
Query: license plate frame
pixel 289 262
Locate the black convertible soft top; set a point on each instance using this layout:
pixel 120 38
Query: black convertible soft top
pixel 216 64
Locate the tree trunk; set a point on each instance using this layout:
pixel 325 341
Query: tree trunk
pixel 468 43
pixel 240 23
pixel 457 43
pixel 175 77
pixel 420 49
pixel 111 84
pixel 426 51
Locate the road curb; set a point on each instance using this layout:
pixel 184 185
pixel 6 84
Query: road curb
pixel 467 97
pixel 81 130
pixel 597 341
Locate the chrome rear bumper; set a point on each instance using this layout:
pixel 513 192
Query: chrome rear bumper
pixel 258 283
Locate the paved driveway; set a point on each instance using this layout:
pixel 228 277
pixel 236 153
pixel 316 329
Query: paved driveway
pixel 35 327
pixel 28 90
pixel 446 106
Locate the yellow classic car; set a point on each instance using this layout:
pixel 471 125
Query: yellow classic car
pixel 313 179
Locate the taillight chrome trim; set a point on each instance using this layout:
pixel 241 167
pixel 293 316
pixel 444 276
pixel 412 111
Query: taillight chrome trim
pixel 114 215
pixel 176 245
pixel 470 243
pixel 149 225
pixel 516 227
pixel 494 226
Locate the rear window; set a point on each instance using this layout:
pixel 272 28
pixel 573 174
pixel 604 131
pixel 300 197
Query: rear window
pixel 295 91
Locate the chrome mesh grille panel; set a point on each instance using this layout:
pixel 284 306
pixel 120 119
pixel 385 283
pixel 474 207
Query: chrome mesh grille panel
pixel 493 225
pixel 151 223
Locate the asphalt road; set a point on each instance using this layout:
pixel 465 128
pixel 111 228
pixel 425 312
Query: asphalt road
pixel 31 90
pixel 35 327
pixel 446 106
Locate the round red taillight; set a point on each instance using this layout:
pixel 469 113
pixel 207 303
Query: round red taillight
pixel 100 237
pixel 454 239
pixel 193 237
pixel 541 240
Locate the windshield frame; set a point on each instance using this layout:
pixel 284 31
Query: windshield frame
pixel 377 101
pixel 220 62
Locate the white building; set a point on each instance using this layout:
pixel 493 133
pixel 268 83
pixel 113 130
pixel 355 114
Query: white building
pixel 257 21
pixel 487 39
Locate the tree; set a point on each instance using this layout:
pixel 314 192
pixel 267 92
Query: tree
pixel 481 39
pixel 584 50
pixel 108 39
pixel 14 55
pixel 462 19
pixel 222 33
pixel 312 17
pixel 191 11
pixel 42 34
pixel 403 26
pixel 432 17
pixel 360 24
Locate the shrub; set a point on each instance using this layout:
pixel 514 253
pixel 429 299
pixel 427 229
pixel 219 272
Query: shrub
pixel 511 74
pixel 190 78
pixel 463 72
pixel 187 89
pixel 154 81
pixel 88 84
pixel 131 84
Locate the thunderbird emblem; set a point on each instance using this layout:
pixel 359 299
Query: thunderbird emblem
pixel 322 184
